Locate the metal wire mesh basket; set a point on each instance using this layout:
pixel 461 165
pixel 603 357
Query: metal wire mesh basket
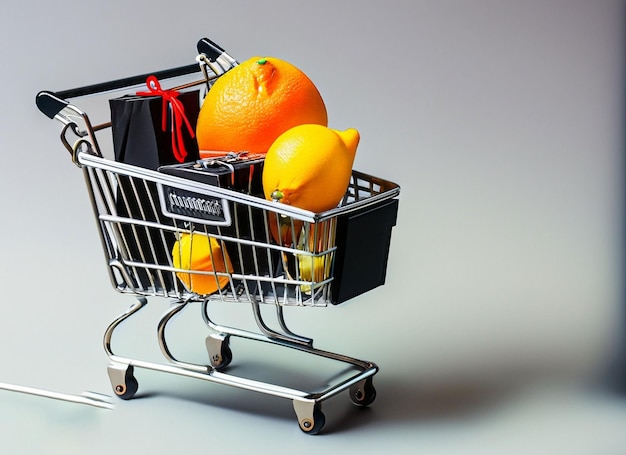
pixel 141 214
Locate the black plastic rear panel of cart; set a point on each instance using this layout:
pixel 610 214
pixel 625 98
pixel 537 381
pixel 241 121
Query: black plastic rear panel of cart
pixel 363 241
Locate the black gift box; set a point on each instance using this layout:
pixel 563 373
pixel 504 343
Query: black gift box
pixel 238 172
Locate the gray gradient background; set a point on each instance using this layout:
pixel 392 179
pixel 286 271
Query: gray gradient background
pixel 502 121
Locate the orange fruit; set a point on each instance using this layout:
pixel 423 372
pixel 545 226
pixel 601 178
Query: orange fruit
pixel 309 167
pixel 248 107
pixel 201 253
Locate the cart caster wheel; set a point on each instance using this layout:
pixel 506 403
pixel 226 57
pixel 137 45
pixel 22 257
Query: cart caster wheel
pixel 311 419
pixel 218 347
pixel 128 390
pixel 363 393
pixel 313 425
pixel 123 381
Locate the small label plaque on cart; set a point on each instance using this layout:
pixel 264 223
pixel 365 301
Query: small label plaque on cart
pixel 196 207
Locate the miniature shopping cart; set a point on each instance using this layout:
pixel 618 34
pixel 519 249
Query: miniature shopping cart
pixel 142 213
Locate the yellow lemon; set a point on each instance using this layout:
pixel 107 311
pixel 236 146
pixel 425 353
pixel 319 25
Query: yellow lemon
pixel 313 268
pixel 309 166
pixel 201 253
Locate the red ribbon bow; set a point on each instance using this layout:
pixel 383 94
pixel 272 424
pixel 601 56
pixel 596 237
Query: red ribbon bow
pixel 178 115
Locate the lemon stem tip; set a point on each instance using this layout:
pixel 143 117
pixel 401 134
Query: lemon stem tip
pixel 277 195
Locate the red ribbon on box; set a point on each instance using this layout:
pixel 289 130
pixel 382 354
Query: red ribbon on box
pixel 178 115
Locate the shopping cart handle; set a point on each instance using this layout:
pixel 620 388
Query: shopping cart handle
pixel 51 103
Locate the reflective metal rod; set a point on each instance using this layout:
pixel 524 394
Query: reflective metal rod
pixel 88 398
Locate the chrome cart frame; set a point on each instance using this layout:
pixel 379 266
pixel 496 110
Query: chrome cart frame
pixel 301 272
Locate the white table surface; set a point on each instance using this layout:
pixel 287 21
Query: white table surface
pixel 502 122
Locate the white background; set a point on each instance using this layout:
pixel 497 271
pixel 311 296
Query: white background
pixel 502 122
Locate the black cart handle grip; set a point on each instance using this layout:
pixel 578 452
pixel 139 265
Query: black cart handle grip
pixel 210 49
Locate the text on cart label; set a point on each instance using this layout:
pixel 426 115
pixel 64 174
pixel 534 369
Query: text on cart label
pixel 191 206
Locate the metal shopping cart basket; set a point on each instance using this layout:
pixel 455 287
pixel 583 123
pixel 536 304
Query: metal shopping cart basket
pixel 141 212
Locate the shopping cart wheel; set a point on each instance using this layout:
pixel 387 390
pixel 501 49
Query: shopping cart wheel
pixel 311 419
pixel 123 381
pixel 218 347
pixel 363 393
